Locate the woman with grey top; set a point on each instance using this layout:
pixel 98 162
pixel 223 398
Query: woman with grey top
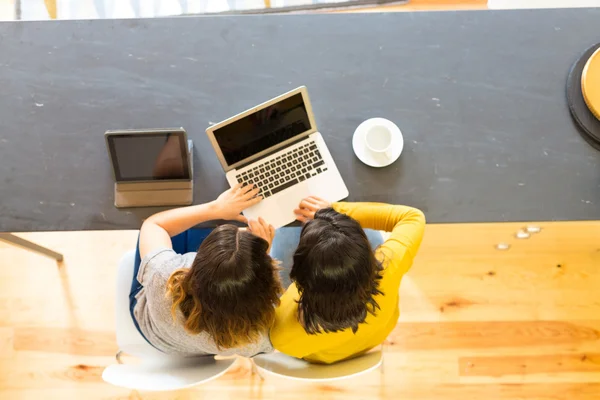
pixel 206 291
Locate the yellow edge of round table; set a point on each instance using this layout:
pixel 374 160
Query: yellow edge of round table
pixel 590 83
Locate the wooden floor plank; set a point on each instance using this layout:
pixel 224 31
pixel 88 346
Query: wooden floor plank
pixel 490 334
pixel 68 341
pixel 528 364
pixel 6 342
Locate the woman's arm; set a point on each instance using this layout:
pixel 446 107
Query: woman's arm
pixel 406 224
pixel 156 231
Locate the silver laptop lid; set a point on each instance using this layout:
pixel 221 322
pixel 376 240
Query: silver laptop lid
pixel 268 127
pixel 149 155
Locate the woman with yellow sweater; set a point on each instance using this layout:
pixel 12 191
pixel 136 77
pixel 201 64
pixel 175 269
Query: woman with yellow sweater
pixel 344 297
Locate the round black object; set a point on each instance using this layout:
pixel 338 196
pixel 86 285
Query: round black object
pixel 589 125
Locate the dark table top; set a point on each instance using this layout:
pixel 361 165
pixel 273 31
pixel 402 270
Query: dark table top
pixel 479 97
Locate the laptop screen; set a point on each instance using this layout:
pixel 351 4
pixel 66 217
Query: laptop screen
pixel 149 156
pixel 263 129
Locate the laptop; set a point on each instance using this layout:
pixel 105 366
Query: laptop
pixel 151 167
pixel 277 147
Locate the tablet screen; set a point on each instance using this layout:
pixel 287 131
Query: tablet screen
pixel 149 156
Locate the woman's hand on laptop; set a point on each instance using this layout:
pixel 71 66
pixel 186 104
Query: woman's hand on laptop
pixel 263 230
pixel 230 204
pixel 309 206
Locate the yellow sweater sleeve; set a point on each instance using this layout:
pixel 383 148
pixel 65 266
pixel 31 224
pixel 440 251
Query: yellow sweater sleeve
pixel 406 224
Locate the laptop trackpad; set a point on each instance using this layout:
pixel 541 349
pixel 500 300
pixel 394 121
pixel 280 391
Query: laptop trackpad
pixel 279 210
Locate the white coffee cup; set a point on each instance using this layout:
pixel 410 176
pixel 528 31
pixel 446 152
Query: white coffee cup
pixel 378 139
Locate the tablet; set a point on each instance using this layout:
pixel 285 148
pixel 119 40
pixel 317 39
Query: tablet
pixel 149 155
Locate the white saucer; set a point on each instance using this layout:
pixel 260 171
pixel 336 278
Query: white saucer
pixel 375 159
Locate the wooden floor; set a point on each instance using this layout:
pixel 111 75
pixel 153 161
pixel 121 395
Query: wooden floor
pixel 476 322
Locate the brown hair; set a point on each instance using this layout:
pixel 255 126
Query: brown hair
pixel 336 273
pixel 231 289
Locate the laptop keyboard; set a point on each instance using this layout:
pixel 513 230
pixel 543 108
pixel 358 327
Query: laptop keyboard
pixel 286 170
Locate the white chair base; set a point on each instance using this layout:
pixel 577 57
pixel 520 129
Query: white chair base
pixel 281 365
pixel 166 374
pixel 156 371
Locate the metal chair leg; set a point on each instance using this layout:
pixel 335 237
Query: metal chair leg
pixel 255 370
pixel 382 367
pixel 26 244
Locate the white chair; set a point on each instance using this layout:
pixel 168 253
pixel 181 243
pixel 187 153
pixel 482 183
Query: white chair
pixel 156 371
pixel 278 364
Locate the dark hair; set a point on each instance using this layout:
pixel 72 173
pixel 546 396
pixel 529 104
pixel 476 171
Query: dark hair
pixel 231 289
pixel 336 273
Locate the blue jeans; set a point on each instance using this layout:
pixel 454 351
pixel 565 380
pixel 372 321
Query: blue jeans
pixel 285 244
pixel 185 242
